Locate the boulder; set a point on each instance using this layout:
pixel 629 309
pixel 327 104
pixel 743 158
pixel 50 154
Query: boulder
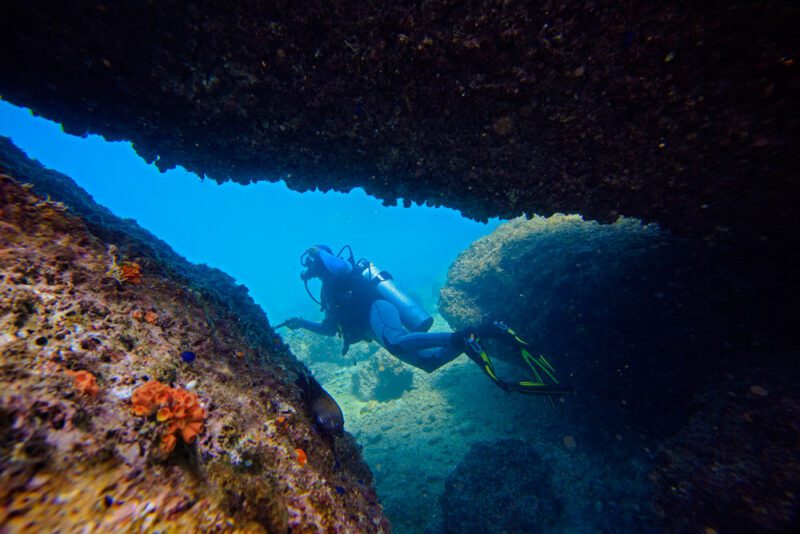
pixel 383 378
pixel 500 486
pixel 621 310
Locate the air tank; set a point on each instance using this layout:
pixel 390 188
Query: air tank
pixel 412 315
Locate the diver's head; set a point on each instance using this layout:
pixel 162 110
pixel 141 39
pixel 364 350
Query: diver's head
pixel 320 262
pixel 313 263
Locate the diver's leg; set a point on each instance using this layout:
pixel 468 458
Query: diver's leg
pixel 384 321
pixel 427 351
pixel 424 340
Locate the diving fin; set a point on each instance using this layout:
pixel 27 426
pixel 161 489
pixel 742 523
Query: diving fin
pixel 538 365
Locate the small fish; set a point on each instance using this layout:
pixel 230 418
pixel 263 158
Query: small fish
pixel 325 412
pixel 339 490
pixel 188 356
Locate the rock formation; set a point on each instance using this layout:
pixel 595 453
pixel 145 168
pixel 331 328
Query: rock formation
pixel 660 347
pixel 682 114
pixel 139 391
pixel 609 305
pixel 734 467
pixel 501 486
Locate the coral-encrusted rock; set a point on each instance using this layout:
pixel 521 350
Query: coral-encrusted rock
pixel 678 112
pixel 78 340
pixel 608 305
pixel 735 467
pixel 500 486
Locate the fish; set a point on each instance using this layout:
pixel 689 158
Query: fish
pixel 325 412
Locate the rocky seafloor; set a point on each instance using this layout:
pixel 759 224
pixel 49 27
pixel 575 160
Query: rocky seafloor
pixel 416 436
pixel 93 308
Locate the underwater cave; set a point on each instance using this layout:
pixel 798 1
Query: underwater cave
pixel 596 213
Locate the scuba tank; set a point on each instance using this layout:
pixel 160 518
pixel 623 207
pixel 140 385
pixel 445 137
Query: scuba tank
pixel 412 315
pixel 320 258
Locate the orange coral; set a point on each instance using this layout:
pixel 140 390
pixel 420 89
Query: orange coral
pixel 85 382
pixel 130 272
pixel 137 314
pixel 168 443
pixel 301 456
pixel 178 408
pixel 127 271
pixel 151 317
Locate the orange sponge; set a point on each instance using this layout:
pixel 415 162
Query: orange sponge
pixel 179 409
pixel 130 272
pixel 85 382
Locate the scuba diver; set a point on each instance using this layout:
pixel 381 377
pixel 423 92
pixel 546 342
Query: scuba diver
pixel 362 303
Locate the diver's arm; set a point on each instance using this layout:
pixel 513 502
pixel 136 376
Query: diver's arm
pixel 326 328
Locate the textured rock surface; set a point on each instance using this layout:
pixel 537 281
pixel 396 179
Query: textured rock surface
pixel 412 443
pixel 71 460
pixel 607 304
pixel 383 378
pixel 679 113
pixel 500 486
pixel 658 344
pixel 735 466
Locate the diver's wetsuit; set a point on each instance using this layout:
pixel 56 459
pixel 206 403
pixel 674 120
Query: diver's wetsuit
pixel 353 309
pixel 426 350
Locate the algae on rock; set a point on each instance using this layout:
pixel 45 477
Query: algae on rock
pixel 76 454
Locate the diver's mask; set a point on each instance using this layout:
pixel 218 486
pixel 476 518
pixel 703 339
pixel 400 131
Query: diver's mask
pixel 310 259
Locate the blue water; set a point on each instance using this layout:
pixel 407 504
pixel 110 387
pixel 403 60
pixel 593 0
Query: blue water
pixel 255 233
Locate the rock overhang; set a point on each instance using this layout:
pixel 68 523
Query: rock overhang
pixel 681 115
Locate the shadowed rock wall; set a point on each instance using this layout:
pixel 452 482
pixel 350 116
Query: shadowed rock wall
pixel 679 113
pixel 609 305
pixel 501 486
pixel 660 343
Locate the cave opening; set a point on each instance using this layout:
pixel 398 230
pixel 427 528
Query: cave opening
pixel 256 233
pixel 633 317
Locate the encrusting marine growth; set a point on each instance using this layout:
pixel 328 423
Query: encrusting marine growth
pixel 127 271
pixel 98 388
pixel 179 409
pixel 85 382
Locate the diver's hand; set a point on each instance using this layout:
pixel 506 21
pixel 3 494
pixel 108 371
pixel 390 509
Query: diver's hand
pixel 293 323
